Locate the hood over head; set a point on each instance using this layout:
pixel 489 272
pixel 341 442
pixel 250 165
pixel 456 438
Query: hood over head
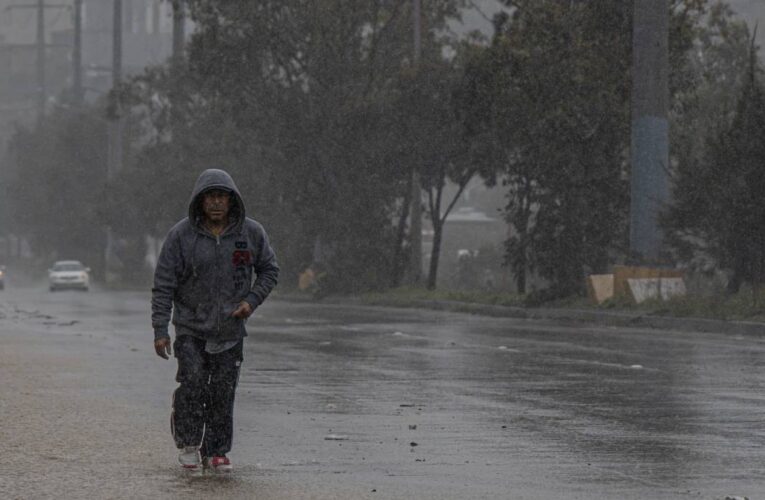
pixel 214 178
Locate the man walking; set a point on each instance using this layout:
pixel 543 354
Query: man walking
pixel 215 268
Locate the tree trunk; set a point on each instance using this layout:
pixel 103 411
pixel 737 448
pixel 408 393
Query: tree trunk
pixel 438 221
pixel 399 263
pixel 438 229
pixel 520 275
pixel 521 223
pixel 737 278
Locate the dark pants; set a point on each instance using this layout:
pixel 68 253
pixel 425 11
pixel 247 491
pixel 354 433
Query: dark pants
pixel 203 403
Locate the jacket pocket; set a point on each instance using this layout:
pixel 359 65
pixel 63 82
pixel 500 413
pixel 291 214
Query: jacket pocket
pixel 230 326
pixel 200 317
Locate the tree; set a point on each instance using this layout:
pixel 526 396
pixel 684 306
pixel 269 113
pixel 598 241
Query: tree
pixel 54 189
pixel 718 209
pixel 433 140
pixel 296 98
pixel 554 88
pixel 555 75
pixel 486 106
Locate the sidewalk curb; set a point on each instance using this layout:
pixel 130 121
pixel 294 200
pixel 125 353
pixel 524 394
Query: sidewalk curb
pixel 605 318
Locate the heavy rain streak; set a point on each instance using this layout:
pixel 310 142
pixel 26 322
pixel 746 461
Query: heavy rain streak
pixel 382 249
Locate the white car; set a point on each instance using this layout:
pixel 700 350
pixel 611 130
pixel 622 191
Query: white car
pixel 69 274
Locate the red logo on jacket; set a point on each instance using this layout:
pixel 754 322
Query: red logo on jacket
pixel 241 258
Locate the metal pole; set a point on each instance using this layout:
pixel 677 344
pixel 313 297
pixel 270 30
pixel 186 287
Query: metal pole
pixel 176 62
pixel 77 94
pixel 415 260
pixel 155 13
pixel 128 17
pixel 179 29
pixel 114 128
pixel 41 90
pixel 650 127
pixel 417 14
pixel 117 44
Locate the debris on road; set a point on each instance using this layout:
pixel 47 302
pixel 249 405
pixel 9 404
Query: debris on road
pixel 335 437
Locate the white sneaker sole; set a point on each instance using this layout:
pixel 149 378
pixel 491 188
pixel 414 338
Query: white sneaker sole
pixel 219 468
pixel 191 470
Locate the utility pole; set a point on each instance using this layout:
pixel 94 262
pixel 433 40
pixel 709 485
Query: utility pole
pixel 176 60
pixel 155 13
pixel 39 46
pixel 650 127
pixel 117 44
pixel 415 226
pixel 114 129
pixel 41 90
pixel 179 29
pixel 77 93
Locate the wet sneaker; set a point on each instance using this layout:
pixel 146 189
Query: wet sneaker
pixel 190 459
pixel 218 464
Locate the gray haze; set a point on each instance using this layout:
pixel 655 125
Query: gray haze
pixel 459 312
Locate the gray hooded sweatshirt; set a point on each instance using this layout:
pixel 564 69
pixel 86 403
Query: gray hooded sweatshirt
pixel 203 278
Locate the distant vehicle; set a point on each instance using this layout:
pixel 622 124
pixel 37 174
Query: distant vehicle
pixel 69 274
pixel 2 277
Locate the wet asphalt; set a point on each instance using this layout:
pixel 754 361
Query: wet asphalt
pixel 355 402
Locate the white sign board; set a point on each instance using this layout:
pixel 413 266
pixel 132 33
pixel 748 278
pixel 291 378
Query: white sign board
pixel 643 289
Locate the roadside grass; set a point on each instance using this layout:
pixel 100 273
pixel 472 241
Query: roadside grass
pixel 746 305
pixel 404 296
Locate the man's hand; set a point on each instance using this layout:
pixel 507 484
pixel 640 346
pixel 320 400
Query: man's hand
pixel 242 311
pixel 163 347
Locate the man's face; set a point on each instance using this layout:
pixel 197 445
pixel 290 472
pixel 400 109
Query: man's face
pixel 216 204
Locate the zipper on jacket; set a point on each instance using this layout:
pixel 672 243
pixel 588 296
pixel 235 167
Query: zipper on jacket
pixel 217 278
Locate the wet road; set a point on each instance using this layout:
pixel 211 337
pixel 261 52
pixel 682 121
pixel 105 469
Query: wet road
pixel 361 402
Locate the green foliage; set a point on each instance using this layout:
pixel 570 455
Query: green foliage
pixel 547 104
pixel 433 139
pixel 556 75
pixel 318 112
pixel 717 214
pixel 55 186
pixel 719 199
pixel 708 83
pixel 747 304
pixel 300 100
